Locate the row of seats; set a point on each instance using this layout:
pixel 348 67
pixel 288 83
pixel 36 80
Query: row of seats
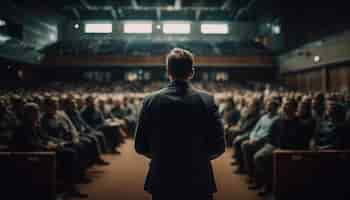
pixel 28 174
pixel 297 175
pixel 311 174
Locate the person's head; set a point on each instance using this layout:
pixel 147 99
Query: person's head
pixel 289 108
pixel 90 102
pixel 272 105
pixel 318 101
pixel 71 105
pixel 2 106
pixel 31 113
pixel 17 104
pixel 335 111
pixel 230 103
pixel 179 64
pixel 253 107
pixel 304 108
pixel 51 105
pixel 117 103
pixel 80 103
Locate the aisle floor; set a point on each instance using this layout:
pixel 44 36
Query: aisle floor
pixel 124 178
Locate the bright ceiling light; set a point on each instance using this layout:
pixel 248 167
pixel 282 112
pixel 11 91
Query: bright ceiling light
pixel 2 22
pixel 76 26
pixel 276 29
pixel 4 38
pixel 98 28
pixel 177 28
pixel 138 27
pixel 214 28
pixel 53 37
pixel 317 59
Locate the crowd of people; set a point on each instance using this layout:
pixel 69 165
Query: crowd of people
pixel 257 124
pixel 79 129
pixel 81 123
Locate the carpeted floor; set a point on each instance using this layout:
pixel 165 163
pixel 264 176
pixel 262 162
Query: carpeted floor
pixel 124 178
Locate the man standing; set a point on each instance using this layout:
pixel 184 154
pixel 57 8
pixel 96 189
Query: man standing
pixel 180 130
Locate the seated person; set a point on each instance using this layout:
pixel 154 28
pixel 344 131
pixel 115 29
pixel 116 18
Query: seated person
pixel 92 115
pixel 332 132
pixel 8 122
pixel 17 107
pixel 246 124
pixel 286 132
pixel 258 137
pixel 28 138
pixel 103 108
pixel 318 107
pixel 95 119
pixel 82 126
pixel 231 117
pixel 57 126
pixel 305 117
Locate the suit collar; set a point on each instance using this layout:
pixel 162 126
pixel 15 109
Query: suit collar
pixel 179 84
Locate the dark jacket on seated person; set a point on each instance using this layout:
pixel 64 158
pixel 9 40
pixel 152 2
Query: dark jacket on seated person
pixel 93 117
pixel 289 134
pixel 331 135
pixel 78 121
pixel 27 138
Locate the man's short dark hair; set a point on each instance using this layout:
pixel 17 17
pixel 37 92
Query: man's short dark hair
pixel 179 63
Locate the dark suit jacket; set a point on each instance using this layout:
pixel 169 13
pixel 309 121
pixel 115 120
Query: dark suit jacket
pixel 27 138
pixel 180 130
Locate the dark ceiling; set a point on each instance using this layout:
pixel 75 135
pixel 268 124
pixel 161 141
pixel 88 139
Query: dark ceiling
pixel 140 9
pixel 241 10
pixel 298 17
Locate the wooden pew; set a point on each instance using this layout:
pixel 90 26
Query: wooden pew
pixel 28 175
pixel 311 175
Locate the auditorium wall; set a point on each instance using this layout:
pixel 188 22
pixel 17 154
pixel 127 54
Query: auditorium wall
pixel 318 66
pixel 332 78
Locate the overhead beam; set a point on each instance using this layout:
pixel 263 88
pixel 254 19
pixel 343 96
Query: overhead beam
pixel 105 8
pixel 198 14
pixel 227 4
pixel 134 4
pixel 76 13
pixel 159 13
pixel 113 13
pixel 245 9
pixel 178 4
pixel 120 12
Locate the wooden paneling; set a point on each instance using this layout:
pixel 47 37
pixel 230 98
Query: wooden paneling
pixel 216 61
pixel 328 78
pixel 305 81
pixel 339 78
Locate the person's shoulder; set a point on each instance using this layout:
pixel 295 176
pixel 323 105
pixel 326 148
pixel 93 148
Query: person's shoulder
pixel 278 120
pixel 153 95
pixel 205 96
pixel 203 92
pixel 61 114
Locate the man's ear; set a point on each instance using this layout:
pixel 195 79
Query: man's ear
pixel 169 75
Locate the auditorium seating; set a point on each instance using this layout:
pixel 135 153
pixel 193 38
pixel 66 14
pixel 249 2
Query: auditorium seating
pixel 25 175
pixel 106 46
pixel 311 174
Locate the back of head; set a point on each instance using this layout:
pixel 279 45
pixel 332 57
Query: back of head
pixel 31 112
pixel 179 63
